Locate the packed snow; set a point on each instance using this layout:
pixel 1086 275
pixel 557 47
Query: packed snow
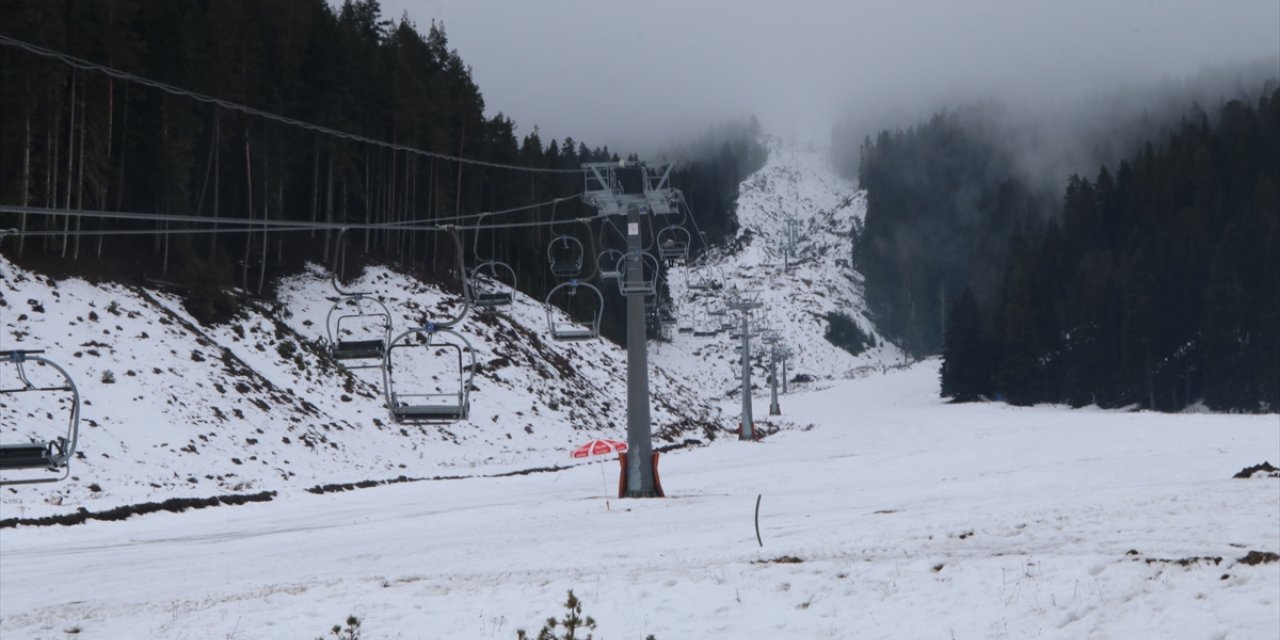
pixel 894 516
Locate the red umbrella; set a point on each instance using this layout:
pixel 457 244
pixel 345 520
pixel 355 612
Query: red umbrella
pixel 601 447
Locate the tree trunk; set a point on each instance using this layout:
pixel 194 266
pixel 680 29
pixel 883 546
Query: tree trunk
pixel 217 155
pixel 50 168
pixel 124 148
pixel 328 204
pixel 315 185
pixel 75 253
pixel 26 178
pixel 368 200
pixel 248 194
pixel 266 201
pixel 71 147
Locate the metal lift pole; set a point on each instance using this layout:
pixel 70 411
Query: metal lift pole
pixel 639 436
pixel 747 432
pixel 774 409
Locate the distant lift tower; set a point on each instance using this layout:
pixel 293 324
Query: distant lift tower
pixel 611 188
pixel 772 339
pixel 744 303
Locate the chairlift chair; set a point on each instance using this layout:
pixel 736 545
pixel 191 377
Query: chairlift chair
pixel 493 284
pixel 707 280
pixel 430 407
pixel 648 281
pixel 50 455
pixel 355 308
pixel 376 320
pixel 607 265
pixel 564 253
pixel 673 243
pixel 492 281
pixel 561 325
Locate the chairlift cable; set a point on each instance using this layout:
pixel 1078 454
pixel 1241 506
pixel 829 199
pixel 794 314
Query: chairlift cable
pixel 85 65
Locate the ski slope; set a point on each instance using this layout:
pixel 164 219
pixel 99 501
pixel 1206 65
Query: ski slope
pixel 796 293
pixel 909 518
pixel 884 512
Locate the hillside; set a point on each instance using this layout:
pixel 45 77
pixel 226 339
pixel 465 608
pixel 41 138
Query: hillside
pixel 799 185
pixel 255 405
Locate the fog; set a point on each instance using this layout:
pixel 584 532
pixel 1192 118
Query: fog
pixel 640 75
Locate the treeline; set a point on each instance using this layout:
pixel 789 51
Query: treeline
pixel 79 139
pixel 943 198
pixel 1159 286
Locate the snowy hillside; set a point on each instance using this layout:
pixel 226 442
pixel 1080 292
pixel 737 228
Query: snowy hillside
pixel 172 409
pixel 797 185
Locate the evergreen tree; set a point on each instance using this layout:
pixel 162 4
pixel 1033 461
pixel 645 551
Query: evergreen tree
pixel 966 375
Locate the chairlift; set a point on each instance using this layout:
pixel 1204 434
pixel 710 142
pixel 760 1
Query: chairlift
pixel 566 253
pixel 707 279
pixel 607 265
pixel 493 282
pixel 51 455
pixel 367 320
pixel 647 284
pixel 434 406
pixel 673 243
pixel 561 325
pixel 374 322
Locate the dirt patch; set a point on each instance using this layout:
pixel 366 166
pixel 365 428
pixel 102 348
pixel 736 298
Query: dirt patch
pixel 172 505
pixel 1186 562
pixel 1264 470
pixel 779 560
pixel 1259 557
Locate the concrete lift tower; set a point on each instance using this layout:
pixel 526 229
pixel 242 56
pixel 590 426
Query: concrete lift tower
pixel 605 190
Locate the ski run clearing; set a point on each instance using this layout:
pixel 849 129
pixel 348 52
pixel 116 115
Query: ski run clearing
pixel 884 512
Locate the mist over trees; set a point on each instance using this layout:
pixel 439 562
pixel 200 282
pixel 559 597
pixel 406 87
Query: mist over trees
pixel 972 245
pixel 1159 286
pixel 81 139
pixel 943 198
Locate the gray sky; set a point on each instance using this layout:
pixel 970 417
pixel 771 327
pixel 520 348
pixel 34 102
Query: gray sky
pixel 639 75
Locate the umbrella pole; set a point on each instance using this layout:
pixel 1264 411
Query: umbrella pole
pixel 605 481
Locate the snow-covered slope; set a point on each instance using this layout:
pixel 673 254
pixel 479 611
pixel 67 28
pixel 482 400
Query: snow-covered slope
pixel 896 516
pixel 175 409
pixel 797 185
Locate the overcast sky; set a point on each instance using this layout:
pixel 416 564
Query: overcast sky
pixel 638 74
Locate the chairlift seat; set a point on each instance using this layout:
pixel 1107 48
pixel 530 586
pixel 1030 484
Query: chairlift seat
pixel 566 269
pixel 493 299
pixel 30 455
pixel 674 250
pixel 429 412
pixel 573 334
pixel 359 349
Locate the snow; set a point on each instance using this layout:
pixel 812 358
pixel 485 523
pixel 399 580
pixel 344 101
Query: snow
pixel 910 517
